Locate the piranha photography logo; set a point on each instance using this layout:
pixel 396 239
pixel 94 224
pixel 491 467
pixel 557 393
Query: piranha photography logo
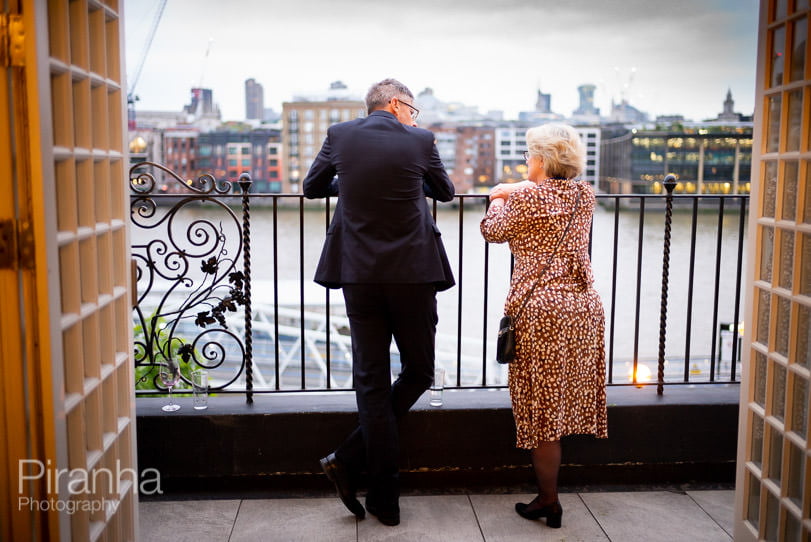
pixel 80 490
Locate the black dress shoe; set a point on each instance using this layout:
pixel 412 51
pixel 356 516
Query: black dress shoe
pixel 552 512
pixel 338 475
pixel 386 517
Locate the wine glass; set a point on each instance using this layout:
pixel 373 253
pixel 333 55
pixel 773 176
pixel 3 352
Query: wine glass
pixel 169 375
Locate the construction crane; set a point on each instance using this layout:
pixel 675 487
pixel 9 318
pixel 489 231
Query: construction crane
pixel 205 61
pixel 625 88
pixel 131 97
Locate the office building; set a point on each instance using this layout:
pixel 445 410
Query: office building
pixel 304 127
pixel 467 151
pixel 228 154
pixel 510 144
pixel 586 111
pixel 254 100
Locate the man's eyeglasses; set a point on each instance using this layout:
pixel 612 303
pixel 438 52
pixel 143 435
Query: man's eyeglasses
pixel 414 111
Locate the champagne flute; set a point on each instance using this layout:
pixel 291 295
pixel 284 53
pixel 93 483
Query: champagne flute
pixel 169 375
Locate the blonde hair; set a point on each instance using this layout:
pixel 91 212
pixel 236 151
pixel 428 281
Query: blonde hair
pixel 560 147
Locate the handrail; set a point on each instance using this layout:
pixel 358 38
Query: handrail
pixel 197 291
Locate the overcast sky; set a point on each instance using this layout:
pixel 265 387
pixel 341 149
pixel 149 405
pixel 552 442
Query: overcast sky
pixel 664 56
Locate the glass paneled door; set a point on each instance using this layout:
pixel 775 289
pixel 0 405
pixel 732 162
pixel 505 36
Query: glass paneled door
pixel 773 490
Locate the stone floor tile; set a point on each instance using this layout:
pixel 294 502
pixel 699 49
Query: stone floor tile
pixel 443 518
pixel 719 504
pixel 653 516
pixel 187 521
pixel 499 521
pixel 292 520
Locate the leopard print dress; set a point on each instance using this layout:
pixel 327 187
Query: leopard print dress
pixel 557 381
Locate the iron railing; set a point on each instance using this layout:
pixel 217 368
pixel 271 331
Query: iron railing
pixel 199 298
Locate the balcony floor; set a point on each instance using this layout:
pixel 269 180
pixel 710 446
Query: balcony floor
pixel 627 516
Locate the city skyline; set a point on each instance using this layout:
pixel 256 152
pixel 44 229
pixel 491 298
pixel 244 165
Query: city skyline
pixel 669 58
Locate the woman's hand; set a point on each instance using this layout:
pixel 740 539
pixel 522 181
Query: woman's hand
pixel 503 190
pixel 499 192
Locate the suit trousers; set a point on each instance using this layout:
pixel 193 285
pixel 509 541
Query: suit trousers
pixel 377 313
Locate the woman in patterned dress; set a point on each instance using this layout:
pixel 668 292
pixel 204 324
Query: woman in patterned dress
pixel 557 381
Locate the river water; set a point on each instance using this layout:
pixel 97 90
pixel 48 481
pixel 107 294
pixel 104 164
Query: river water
pixel 628 334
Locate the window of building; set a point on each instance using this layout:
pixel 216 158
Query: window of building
pixel 246 161
pixel 232 162
pixel 308 114
pixel 273 162
pixel 233 149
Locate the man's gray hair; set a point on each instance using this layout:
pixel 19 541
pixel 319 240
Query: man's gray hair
pixel 381 93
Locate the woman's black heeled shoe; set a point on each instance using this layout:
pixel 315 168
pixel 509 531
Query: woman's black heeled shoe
pixel 552 512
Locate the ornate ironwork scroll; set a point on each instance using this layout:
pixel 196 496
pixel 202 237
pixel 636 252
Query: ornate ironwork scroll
pixel 189 286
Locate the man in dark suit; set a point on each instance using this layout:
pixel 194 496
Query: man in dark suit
pixel 384 249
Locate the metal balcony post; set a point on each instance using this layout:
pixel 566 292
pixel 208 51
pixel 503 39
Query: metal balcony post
pixel 245 185
pixel 670 184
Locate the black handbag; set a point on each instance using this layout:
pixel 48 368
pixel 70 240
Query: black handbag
pixel 505 344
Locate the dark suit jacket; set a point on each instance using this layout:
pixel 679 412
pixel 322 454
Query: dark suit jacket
pixel 382 231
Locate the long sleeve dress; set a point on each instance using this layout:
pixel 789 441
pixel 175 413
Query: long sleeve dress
pixel 557 381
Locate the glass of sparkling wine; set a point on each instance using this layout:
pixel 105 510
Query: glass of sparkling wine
pixel 169 376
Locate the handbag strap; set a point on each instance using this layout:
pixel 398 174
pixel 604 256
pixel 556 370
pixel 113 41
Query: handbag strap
pixel 549 260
